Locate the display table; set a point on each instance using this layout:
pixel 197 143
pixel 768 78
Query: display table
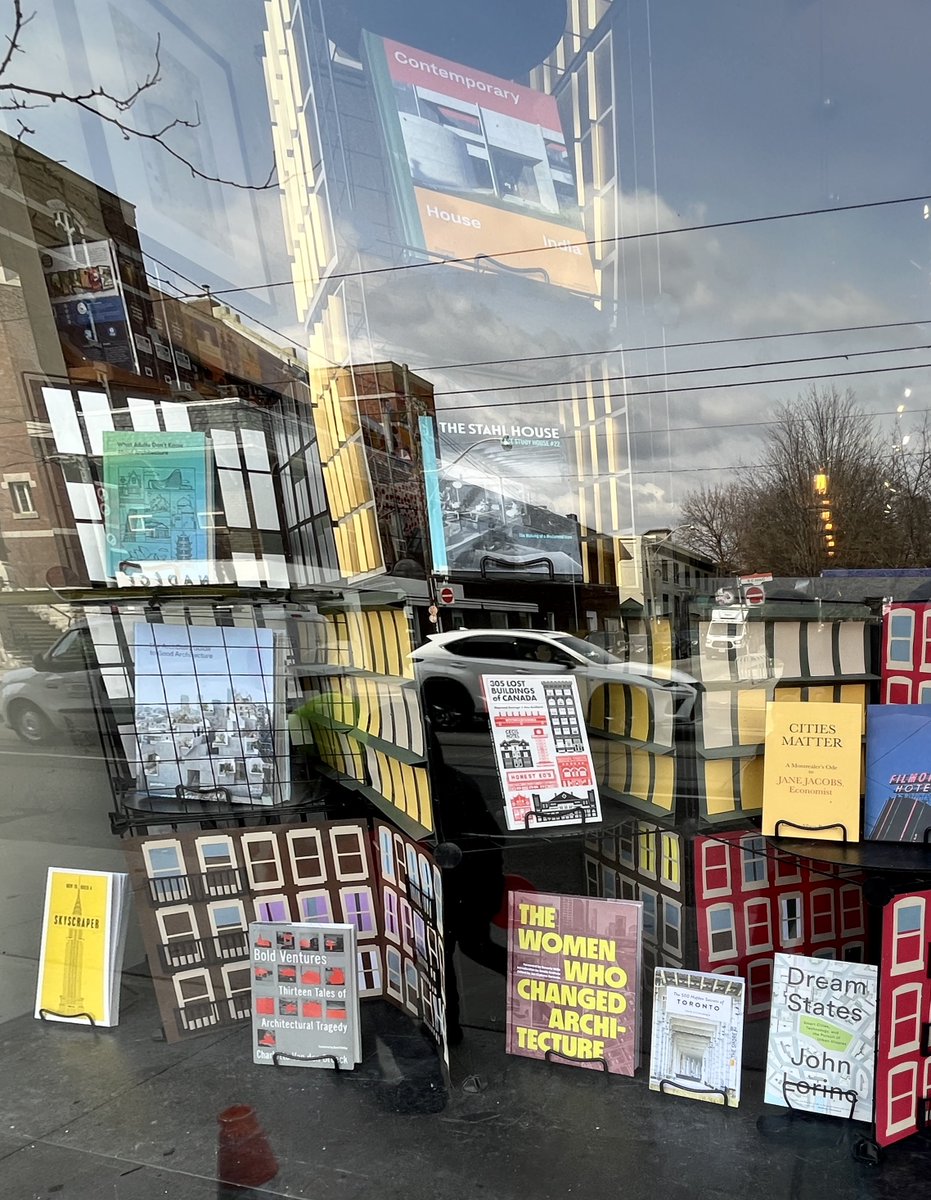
pixel 899 857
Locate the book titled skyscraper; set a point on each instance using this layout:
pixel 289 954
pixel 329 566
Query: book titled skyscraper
pixel 812 769
pixel 81 954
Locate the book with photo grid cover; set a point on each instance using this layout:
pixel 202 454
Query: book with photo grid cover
pixel 210 711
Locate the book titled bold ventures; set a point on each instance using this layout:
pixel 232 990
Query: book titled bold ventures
pixel 305 995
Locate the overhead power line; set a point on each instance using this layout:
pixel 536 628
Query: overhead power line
pixel 706 226
pixel 773 362
pixel 750 337
pixel 704 387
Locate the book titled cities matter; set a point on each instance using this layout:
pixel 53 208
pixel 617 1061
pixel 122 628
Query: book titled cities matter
pixel 812 769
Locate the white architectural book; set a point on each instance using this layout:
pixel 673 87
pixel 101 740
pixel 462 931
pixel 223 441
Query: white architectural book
pixel 698 1022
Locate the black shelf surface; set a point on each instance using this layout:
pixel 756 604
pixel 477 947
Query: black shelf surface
pixel 907 857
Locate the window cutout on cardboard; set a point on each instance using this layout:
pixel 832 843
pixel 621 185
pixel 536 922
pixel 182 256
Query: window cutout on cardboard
pixel 716 868
pixel 722 935
pixel 906 1019
pixel 908 943
pixel 791 919
pixel 753 862
pixel 902 1101
pixel 759 924
pixel 901 636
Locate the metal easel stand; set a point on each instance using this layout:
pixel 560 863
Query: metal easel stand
pixel 549 1055
pixel 864 1148
pixel 304 1058
pixel 542 821
pixel 68 1018
pixel 695 1091
pixel 811 828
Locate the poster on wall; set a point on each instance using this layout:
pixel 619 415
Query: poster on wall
pixel 209 711
pixel 573 980
pixel 305 995
pixel 81 954
pixel 697 1039
pixel 898 773
pixel 480 165
pixel 822 1036
pixel 88 303
pixel 490 490
pixel 541 750
pixel 158 512
pixel 812 769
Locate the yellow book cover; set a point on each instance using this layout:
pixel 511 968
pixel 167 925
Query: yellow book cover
pixel 811 770
pixel 75 963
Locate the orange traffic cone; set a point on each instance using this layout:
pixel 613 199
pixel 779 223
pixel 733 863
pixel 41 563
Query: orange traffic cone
pixel 244 1155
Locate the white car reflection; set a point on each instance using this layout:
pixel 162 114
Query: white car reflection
pixel 450 667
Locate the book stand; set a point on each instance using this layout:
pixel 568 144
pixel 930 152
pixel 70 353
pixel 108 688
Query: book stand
pixel 549 1055
pixel 304 1058
pixel 697 1091
pixel 45 1013
pixel 568 812
pixel 811 828
pixel 865 1149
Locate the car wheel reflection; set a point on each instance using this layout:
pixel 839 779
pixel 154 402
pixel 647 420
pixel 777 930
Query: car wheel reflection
pixel 448 706
pixel 30 724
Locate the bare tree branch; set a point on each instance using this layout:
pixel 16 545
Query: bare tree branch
pixel 13 47
pixel 20 97
pixel 826 490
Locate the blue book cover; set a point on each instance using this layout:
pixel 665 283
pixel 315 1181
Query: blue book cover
pixel 158 511
pixel 898 772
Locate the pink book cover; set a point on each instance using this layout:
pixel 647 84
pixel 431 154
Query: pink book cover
pixel 574 980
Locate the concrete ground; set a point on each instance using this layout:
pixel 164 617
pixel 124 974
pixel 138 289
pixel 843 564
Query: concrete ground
pixel 117 1114
pixel 121 1115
